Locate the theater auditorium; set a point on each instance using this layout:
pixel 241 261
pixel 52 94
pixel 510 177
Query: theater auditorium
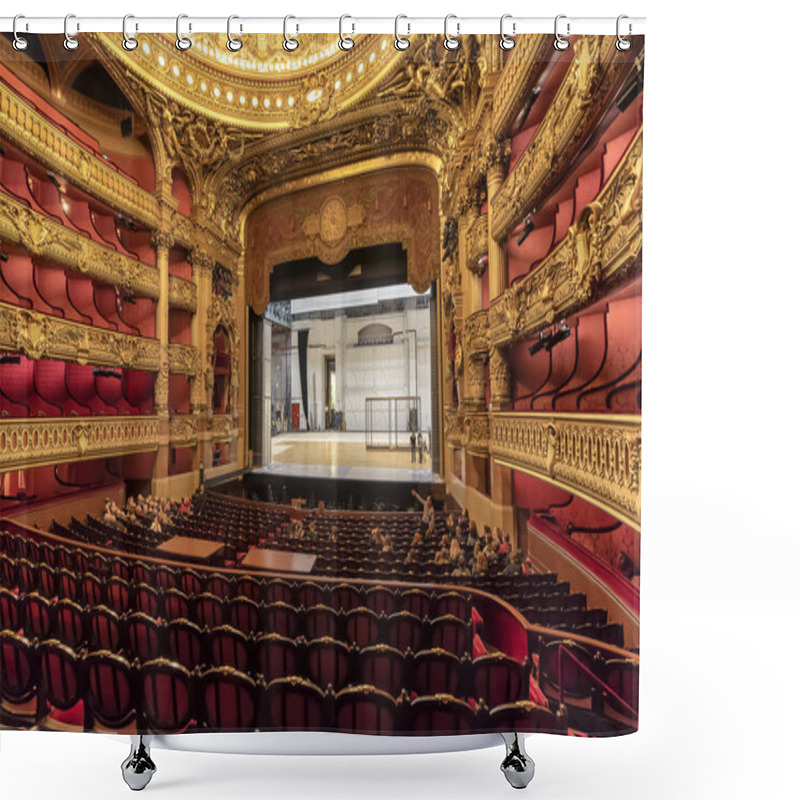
pixel 320 385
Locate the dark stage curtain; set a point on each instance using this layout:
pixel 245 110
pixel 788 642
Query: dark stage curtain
pixel 302 352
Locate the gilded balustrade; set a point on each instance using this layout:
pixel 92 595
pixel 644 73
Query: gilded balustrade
pixel 222 427
pixel 34 441
pixel 183 430
pixel 595 456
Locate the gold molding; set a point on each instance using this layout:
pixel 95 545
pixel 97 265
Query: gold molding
pixel 601 249
pixel 594 456
pixel 34 442
pixel 182 294
pixel 476 434
pixel 43 237
pixel 528 60
pixel 183 359
pixel 183 430
pixel 222 429
pixel 597 69
pixel 44 142
pixel 44 336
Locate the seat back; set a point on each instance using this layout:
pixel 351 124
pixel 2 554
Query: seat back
pixel 451 634
pixel 68 620
pixel 365 709
pixel 167 696
pixel 109 693
pixel 185 642
pixel 524 716
pixel 383 667
pixel 281 618
pixel 405 631
pixel 9 610
pixel 361 627
pixel 321 621
pixel 142 636
pixel 228 647
pixel 293 704
pixel 441 714
pixel 18 666
pixel 228 700
pixel 438 671
pixel 62 674
pixel 328 662
pixel 276 656
pixel 209 610
pixel 37 616
pixel 105 629
pixel 499 679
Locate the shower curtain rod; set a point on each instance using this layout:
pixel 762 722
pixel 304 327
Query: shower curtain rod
pixel 407 25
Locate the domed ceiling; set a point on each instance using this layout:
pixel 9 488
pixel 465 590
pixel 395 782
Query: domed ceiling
pixel 262 86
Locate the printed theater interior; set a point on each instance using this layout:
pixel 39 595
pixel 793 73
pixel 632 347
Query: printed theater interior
pixel 320 388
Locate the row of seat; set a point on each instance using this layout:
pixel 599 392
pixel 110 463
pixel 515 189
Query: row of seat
pixel 52 685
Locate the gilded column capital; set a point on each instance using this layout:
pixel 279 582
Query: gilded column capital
pixel 202 260
pixel 162 239
pixel 500 377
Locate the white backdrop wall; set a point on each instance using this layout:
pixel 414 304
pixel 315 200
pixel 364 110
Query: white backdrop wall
pixel 364 370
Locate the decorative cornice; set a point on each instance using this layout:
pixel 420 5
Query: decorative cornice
pixel 222 427
pixel 43 237
pixel 183 359
pixel 523 70
pixel 476 329
pixel 596 71
pixel 476 244
pixel 31 442
pixel 182 294
pixel 32 133
pixel 43 336
pixel 602 249
pixel 595 456
pixel 453 427
pixel 476 434
pixel 183 430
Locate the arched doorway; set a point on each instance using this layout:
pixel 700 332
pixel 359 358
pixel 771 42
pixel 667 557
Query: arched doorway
pixel 221 401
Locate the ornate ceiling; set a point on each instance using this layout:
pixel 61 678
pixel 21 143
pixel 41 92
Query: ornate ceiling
pixel 262 86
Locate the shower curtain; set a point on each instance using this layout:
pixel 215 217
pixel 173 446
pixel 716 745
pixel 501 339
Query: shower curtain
pixel 486 199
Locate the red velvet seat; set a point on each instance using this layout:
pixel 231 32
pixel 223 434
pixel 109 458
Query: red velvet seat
pixel 105 629
pixel 249 587
pixel 438 671
pixel 209 610
pixel 62 686
pixel 622 676
pixel 560 671
pixel 405 631
pixel 278 591
pixel 146 599
pixel 523 716
pixel 9 610
pixel 8 571
pixel 37 616
pixel 110 690
pixel 219 585
pixel 166 578
pixel 361 627
pixel 321 620
pixel 382 666
pixel 92 589
pixel 142 573
pixel 244 615
pixel 20 670
pixel 276 656
pixel 168 696
pixel 67 585
pixel 27 578
pixel 185 642
pixel 293 703
pixel 143 636
pixel 381 600
pixel 228 647
pixel 345 597
pixel 328 662
pixel 310 594
pixel 365 710
pixel 281 618
pixel 68 623
pixel 118 595
pixel 441 715
pixel 499 679
pixel 46 579
pixel 451 633
pixel 190 582
pixel 416 601
pixel 454 604
pixel 176 605
pixel 229 700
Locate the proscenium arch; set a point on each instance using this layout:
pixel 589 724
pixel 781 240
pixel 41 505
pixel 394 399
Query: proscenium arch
pixel 359 225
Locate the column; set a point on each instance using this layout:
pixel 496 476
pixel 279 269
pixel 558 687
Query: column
pixel 162 241
pixel 500 378
pixel 266 391
pixel 495 175
pixel 203 381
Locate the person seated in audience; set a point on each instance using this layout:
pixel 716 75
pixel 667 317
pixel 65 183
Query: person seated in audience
pixel 492 556
pixel 417 541
pixel 442 556
pixel 431 531
pixel 481 565
pixel 461 570
pixel 155 525
pixel 313 535
pixel 412 557
pixel 505 547
pixel 514 566
pixel 527 567
pixel 387 544
pixel 472 536
pixel 455 550
pixel 427 506
pixel 450 524
pixel 445 540
pixel 376 536
pixel 334 535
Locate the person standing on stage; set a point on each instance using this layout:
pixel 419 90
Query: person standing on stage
pixel 413 447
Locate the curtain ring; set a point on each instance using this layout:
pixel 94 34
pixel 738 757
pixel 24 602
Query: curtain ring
pixel 561 43
pixel 182 42
pixel 400 42
pixel 506 42
pixel 623 44
pixel 70 42
pixel 345 42
pixel 129 42
pixel 450 42
pixel 20 42
pixel 234 45
pixel 289 44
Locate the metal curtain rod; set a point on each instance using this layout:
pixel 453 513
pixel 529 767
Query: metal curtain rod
pixel 299 25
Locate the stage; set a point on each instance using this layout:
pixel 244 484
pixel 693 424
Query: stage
pixel 338 467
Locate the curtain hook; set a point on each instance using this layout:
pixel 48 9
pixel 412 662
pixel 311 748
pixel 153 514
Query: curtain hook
pixel 234 45
pixel 346 42
pixel 70 42
pixel 289 44
pixel 400 42
pixel 561 43
pixel 450 42
pixel 182 42
pixel 506 42
pixel 129 42
pixel 623 43
pixel 20 42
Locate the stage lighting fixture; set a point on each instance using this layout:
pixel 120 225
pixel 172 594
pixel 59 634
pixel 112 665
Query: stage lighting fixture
pixel 526 109
pixel 52 178
pixel 526 230
pixel 3 255
pixel 483 262
pixel 537 346
pixel 553 339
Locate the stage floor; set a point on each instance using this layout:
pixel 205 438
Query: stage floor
pixel 336 454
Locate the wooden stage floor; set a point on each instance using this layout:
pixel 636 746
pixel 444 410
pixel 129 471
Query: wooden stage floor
pixel 338 454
